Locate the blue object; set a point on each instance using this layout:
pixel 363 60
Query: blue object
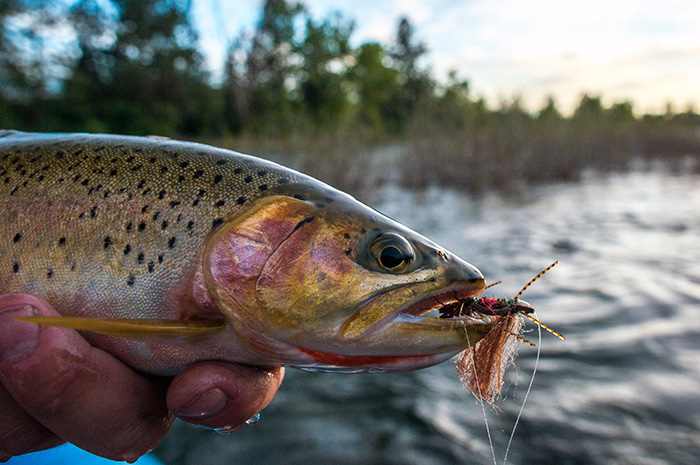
pixel 68 454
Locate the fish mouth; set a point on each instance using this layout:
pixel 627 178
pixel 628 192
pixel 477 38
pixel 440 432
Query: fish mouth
pixel 417 306
pixel 414 335
pixel 448 303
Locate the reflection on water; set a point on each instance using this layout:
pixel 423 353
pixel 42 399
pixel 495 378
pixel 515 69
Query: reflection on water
pixel 622 388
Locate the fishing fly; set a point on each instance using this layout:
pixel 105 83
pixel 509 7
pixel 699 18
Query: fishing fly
pixel 481 367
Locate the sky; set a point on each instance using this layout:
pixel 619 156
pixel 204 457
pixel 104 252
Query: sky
pixel 646 52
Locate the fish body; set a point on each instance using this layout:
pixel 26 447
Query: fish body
pixel 281 268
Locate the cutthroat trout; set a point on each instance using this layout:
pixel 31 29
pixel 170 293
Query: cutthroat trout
pixel 166 253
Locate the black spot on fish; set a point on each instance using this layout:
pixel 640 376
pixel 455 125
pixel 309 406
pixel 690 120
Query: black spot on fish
pixel 49 273
pixel 127 249
pixel 141 184
pixel 190 224
pixel 151 267
pixel 15 267
pixel 160 259
pixel 171 242
pixel 328 199
pixel 131 280
pixel 363 230
pixel 163 225
pixel 75 179
pixel 85 182
pixel 155 216
pixel 137 167
pixel 248 179
pixel 174 203
pixel 144 209
pixel 262 187
pixel 184 164
pixel 163 169
pixel 161 195
pixel 180 178
pixel 141 226
pixel 152 159
pixel 130 159
pixel 62 241
pixel 140 258
pixel 17 237
pixel 129 226
pixel 346 235
pixel 113 172
pixel 299 197
pixel 240 200
pixel 107 242
pixel 146 192
pixel 195 203
pixel 348 251
pixel 262 173
pixel 198 174
pixel 218 178
pixel 93 212
pixel 221 162
pixel 320 205
pixel 217 222
pixel 237 171
pixel 220 203
pixel 82 215
pixel 60 154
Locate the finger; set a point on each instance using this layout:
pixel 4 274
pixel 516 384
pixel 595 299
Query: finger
pixel 222 395
pixel 20 432
pixel 81 393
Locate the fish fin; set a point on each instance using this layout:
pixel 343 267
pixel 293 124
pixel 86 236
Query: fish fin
pixel 131 327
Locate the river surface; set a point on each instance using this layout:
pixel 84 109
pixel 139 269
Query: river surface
pixel 624 388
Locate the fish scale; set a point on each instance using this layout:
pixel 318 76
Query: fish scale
pixel 94 213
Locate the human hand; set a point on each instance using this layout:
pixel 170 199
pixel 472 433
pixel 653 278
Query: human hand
pixel 55 388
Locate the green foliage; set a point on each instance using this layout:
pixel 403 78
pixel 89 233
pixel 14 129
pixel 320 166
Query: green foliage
pixel 298 84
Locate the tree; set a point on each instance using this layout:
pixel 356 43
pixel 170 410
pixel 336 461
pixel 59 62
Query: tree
pixel 325 52
pixel 270 65
pixel 156 81
pixel 406 55
pixel 377 92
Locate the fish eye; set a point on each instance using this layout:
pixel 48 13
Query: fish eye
pixel 392 252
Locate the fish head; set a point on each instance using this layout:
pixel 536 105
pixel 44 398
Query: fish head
pixel 328 284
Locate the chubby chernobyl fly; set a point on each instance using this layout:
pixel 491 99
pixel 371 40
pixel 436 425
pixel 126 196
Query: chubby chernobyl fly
pixel 481 366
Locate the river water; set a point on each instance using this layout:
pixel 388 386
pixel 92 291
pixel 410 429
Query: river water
pixel 624 388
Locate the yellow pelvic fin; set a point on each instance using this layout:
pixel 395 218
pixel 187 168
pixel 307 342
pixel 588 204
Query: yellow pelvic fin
pixel 131 327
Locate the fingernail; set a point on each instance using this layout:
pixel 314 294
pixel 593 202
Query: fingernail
pixel 19 339
pixel 204 405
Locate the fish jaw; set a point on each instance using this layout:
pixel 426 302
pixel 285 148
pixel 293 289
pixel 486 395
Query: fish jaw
pixel 408 338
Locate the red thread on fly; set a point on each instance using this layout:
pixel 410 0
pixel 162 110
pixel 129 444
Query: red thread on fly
pixel 481 367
